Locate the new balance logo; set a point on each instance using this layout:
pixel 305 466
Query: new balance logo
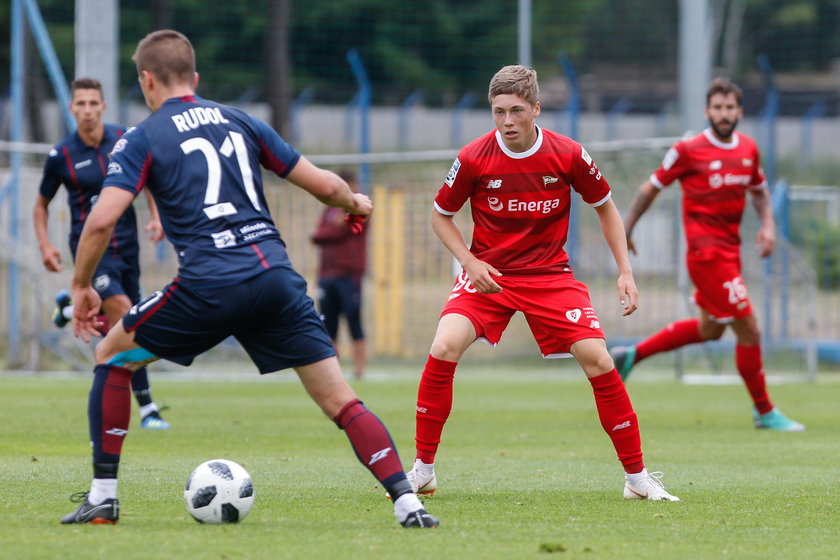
pixel 119 432
pixel 622 426
pixel 494 184
pixel 379 455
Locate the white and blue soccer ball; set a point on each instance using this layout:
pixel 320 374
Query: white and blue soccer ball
pixel 219 491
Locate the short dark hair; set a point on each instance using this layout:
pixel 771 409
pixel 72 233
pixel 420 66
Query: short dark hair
pixel 168 55
pixel 723 86
pixel 85 83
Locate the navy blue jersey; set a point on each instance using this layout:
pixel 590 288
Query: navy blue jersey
pixel 81 169
pixel 201 161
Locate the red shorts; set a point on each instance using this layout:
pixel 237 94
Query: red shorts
pixel 557 308
pixel 720 289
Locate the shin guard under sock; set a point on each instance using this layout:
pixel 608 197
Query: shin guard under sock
pixel 749 365
pixel 675 335
pixel 618 419
pixel 434 403
pixel 373 446
pixel 109 412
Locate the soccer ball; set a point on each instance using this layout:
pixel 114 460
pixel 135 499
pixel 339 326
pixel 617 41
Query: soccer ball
pixel 219 491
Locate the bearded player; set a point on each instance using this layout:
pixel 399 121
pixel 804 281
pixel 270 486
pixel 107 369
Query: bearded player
pixel 716 168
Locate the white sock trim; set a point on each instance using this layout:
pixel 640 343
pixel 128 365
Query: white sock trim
pixel 424 468
pixel 148 409
pixel 636 477
pixel 102 489
pixel 405 505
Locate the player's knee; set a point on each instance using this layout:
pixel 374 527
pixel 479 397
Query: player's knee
pixel 101 353
pixel 751 337
pixel 446 349
pixel 712 331
pixel 598 364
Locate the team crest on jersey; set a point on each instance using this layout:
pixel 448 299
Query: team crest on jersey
pixel 453 172
pixel 547 180
pixel 119 146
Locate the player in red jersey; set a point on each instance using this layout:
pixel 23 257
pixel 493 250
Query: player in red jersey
pixel 716 169
pixel 518 180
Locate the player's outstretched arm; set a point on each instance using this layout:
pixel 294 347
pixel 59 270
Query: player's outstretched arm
pixel 50 256
pixel 641 202
pixel 329 188
pixel 480 273
pixel 613 231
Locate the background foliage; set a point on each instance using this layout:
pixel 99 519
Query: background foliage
pixel 448 47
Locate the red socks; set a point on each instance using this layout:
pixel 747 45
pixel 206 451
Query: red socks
pixel 109 411
pixel 675 335
pixel 618 419
pixel 748 362
pixel 434 403
pixel 371 442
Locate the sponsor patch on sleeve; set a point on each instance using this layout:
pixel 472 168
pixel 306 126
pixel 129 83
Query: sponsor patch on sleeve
pixel 114 168
pixel 585 156
pixel 453 172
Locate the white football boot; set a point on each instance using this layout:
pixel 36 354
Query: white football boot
pixel 422 478
pixel 647 487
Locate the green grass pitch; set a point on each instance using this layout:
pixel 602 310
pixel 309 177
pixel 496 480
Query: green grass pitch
pixel 525 471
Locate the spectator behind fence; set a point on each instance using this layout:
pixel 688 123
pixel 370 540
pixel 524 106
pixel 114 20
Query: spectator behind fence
pixel 340 270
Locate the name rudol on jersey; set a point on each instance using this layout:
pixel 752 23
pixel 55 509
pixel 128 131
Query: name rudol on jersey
pixel 197 116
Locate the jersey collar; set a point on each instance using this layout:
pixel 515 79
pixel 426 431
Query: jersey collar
pixel 181 99
pixel 520 155
pixel 713 140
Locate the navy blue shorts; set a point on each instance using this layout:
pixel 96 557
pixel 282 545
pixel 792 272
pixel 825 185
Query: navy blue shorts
pixel 118 276
pixel 341 295
pixel 270 315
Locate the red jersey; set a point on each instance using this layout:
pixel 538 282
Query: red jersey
pixel 715 177
pixel 520 200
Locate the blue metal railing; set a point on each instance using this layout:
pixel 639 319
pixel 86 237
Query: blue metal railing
pixel 364 100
